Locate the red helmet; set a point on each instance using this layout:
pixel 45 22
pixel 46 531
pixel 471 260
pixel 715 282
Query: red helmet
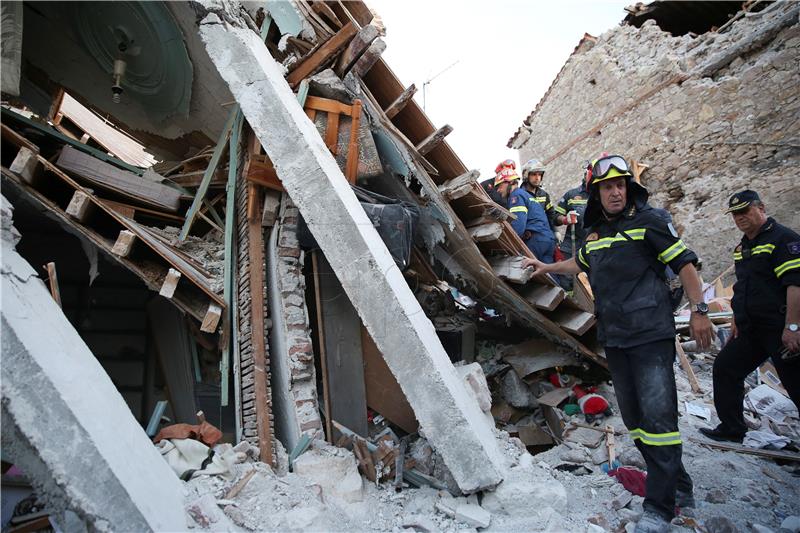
pixel 503 164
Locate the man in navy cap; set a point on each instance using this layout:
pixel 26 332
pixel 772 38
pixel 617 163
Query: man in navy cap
pixel 766 312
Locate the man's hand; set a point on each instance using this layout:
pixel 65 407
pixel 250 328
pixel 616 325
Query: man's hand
pixel 701 330
pixel 538 267
pixel 571 218
pixel 791 339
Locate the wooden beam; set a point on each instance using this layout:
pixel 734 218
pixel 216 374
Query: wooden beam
pixel 687 367
pixel 358 45
pixel 255 235
pixel 459 186
pixel 401 101
pixel 544 297
pixel 433 140
pixel 574 321
pixel 80 206
pixel 26 165
pixel 369 58
pixel 52 280
pixel 170 283
pixel 323 356
pixel 739 448
pixel 211 319
pixel 486 232
pixel 124 243
pixel 510 269
pixel 322 55
pixel 328 105
pixel 200 194
pixel 351 167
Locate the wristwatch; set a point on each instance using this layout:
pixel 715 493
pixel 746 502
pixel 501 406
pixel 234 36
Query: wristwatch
pixel 701 308
pixel 792 327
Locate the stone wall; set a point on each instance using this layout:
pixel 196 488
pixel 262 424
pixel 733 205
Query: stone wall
pixel 705 133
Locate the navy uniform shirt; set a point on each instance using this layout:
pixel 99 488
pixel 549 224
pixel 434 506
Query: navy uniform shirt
pixel 625 260
pixel 530 215
pixel 765 266
pixel 573 200
pixel 542 197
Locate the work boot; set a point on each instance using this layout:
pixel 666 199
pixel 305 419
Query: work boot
pixel 652 522
pixel 721 434
pixel 684 500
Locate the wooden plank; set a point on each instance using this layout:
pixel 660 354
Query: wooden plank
pixel 358 45
pixel 341 329
pixel 369 58
pixel 384 394
pixel 211 318
pixel 554 397
pixel 574 321
pixel 526 364
pixel 170 283
pixel 351 167
pixel 26 165
pixel 332 133
pixel 432 141
pixel 687 367
pixel 255 251
pixel 486 232
pixel 209 173
pixel 401 101
pixel 127 211
pixel 322 55
pixel 322 8
pixel 323 356
pixel 80 206
pixel 52 280
pixel 107 176
pixel 510 269
pixel 272 204
pixel 739 448
pixel 124 243
pixel 459 186
pixel 545 297
pixel 264 175
pixel 327 105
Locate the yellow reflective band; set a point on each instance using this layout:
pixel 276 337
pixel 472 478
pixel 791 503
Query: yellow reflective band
pixel 540 199
pixel 672 252
pixel 763 249
pixel 573 201
pixel 560 210
pixel 737 256
pixel 519 209
pixel 581 258
pixel 781 269
pixel 548 206
pixel 656 439
pixel 636 234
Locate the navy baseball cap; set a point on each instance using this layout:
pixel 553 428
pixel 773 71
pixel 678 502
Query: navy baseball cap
pixel 742 200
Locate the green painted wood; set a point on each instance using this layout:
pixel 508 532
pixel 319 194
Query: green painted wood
pixel 207 175
pixel 302 92
pixel 265 26
pixel 7 114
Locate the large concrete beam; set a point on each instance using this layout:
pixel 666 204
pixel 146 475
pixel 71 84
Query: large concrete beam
pixel 64 423
pixel 450 418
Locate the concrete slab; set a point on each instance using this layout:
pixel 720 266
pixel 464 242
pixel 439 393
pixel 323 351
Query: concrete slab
pixel 64 423
pixel 449 416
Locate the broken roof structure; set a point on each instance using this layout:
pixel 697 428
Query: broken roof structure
pixel 320 254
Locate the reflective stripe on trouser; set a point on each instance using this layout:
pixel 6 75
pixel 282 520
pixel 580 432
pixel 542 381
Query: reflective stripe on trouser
pixel 644 382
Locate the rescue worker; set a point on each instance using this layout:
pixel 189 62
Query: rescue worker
pixel 531 223
pixel 569 212
pixel 766 312
pixel 505 178
pixel 532 176
pixel 624 256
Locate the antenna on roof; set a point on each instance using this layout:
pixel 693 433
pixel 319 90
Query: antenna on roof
pixel 433 78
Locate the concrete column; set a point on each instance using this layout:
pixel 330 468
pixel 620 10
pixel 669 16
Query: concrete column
pixel 450 418
pixel 65 424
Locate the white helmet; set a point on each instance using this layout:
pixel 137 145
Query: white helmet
pixel 533 165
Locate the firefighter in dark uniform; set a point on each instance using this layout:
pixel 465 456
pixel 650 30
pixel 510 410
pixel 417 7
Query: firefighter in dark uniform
pixel 766 312
pixel 624 256
pixel 532 177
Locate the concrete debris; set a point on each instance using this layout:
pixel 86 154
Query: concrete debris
pixel 333 469
pixel 720 524
pixel 791 523
pixel 516 392
pixel 473 515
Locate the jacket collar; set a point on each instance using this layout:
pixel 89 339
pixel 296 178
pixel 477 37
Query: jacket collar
pixel 768 225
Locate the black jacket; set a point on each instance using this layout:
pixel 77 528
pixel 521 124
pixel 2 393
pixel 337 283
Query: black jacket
pixel 574 200
pixel 765 266
pixel 542 197
pixel 624 260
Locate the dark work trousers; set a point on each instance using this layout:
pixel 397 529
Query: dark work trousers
pixel 738 358
pixel 542 247
pixel 565 280
pixel 644 381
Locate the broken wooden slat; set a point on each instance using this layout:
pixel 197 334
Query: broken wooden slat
pixel 208 174
pixel 272 204
pixel 545 297
pixel 332 133
pixel 358 45
pixel 170 283
pixel 486 232
pixel 401 101
pixel 52 280
pixel 128 211
pixel 322 55
pixel 433 140
pixel 739 448
pixel 328 105
pixel 510 269
pixel 574 321
pixel 351 167
pixel 687 367
pixel 369 58
pixel 459 186
pixel 120 181
pixel 124 243
pixel 211 319
pixel 322 8
pixel 79 206
pixel 26 165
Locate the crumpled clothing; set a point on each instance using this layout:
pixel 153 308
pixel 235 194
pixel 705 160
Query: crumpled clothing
pixel 633 479
pixel 204 432
pixel 191 458
pixel 765 439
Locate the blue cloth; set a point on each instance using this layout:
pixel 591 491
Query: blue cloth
pixel 531 217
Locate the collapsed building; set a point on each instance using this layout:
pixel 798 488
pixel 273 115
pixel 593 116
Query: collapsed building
pixel 239 209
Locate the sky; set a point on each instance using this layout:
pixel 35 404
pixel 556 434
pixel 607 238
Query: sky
pixel 506 55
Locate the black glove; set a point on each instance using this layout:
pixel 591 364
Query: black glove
pixel 527 234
